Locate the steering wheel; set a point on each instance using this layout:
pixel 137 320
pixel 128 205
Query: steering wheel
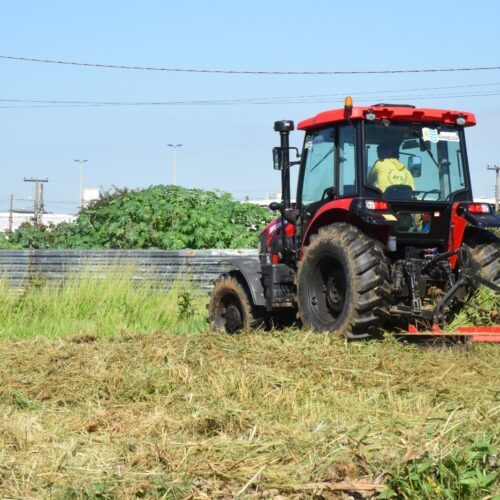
pixel 425 193
pixel 329 193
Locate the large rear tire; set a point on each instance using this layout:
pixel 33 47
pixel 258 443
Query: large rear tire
pixel 484 256
pixel 343 283
pixel 230 308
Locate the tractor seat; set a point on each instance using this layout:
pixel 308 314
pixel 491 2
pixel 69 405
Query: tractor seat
pixel 398 192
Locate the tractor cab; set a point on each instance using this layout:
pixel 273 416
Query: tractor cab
pixel 384 228
pixel 395 170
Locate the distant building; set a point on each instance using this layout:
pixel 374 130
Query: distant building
pixel 20 217
pixel 90 194
pixel 264 202
pixel 484 199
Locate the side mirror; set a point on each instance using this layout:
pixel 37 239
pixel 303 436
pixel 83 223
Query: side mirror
pixel 278 163
pixel 277 159
pixel 415 166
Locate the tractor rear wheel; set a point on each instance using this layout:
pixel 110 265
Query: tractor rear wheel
pixel 230 308
pixel 343 284
pixel 484 257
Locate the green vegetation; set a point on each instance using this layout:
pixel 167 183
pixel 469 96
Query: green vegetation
pixel 468 473
pixel 113 303
pixel 165 217
pixel 486 307
pixel 98 306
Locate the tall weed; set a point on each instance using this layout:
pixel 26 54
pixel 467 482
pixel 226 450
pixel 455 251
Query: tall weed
pixel 98 305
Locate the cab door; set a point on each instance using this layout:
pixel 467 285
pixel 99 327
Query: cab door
pixel 328 170
pixel 317 176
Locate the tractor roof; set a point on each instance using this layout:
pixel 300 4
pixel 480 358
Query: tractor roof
pixel 393 112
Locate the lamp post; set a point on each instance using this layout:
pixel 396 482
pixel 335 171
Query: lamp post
pixel 496 168
pixel 174 169
pixel 81 162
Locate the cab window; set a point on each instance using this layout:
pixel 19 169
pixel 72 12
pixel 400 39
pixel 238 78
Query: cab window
pixel 319 167
pixel 347 161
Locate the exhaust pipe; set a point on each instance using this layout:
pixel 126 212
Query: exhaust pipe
pixel 284 127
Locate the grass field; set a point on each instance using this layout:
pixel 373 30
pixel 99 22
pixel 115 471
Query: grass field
pixel 127 394
pixel 102 307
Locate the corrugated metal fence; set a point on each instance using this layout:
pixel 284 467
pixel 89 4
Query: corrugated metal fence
pixel 163 267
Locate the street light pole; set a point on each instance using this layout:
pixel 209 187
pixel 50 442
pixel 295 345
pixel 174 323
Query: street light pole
pixel 81 162
pixel 496 168
pixel 174 169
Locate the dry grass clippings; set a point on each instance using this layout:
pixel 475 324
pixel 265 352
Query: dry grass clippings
pixel 254 415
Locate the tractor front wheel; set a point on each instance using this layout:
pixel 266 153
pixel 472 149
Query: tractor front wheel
pixel 230 308
pixel 343 283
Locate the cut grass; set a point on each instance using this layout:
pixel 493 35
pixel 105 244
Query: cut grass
pixel 257 414
pixel 102 398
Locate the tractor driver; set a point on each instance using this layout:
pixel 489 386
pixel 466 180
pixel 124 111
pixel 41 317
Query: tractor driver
pixel 388 170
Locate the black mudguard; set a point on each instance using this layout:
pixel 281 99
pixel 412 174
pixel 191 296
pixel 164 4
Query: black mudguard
pixel 483 220
pixel 478 235
pixel 249 271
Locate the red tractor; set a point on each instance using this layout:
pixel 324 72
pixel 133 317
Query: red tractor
pixel 384 230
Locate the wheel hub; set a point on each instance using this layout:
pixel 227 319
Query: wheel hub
pixel 334 292
pixel 232 318
pixel 328 289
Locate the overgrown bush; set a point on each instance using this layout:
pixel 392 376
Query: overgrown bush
pixel 5 243
pixel 165 217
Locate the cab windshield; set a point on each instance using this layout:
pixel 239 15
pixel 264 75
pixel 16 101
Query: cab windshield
pixel 414 161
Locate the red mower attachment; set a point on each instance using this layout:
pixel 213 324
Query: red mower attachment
pixel 481 333
pixel 476 333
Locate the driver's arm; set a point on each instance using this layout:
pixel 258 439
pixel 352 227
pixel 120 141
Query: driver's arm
pixel 373 175
pixel 411 181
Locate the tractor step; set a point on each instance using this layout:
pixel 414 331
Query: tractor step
pixel 477 333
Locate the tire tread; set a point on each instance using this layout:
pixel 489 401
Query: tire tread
pixel 370 285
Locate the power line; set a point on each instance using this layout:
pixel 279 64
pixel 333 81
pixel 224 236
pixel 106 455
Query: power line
pixel 238 100
pixel 247 72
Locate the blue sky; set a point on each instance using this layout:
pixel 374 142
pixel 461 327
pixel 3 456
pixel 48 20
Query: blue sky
pixel 224 146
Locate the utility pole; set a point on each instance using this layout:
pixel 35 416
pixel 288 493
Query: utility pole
pixel 174 170
pixel 38 202
pixel 11 213
pixel 496 168
pixel 81 162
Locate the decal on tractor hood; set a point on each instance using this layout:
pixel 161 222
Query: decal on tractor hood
pixel 432 135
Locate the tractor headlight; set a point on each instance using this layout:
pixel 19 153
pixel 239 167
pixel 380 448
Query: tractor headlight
pixel 460 120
